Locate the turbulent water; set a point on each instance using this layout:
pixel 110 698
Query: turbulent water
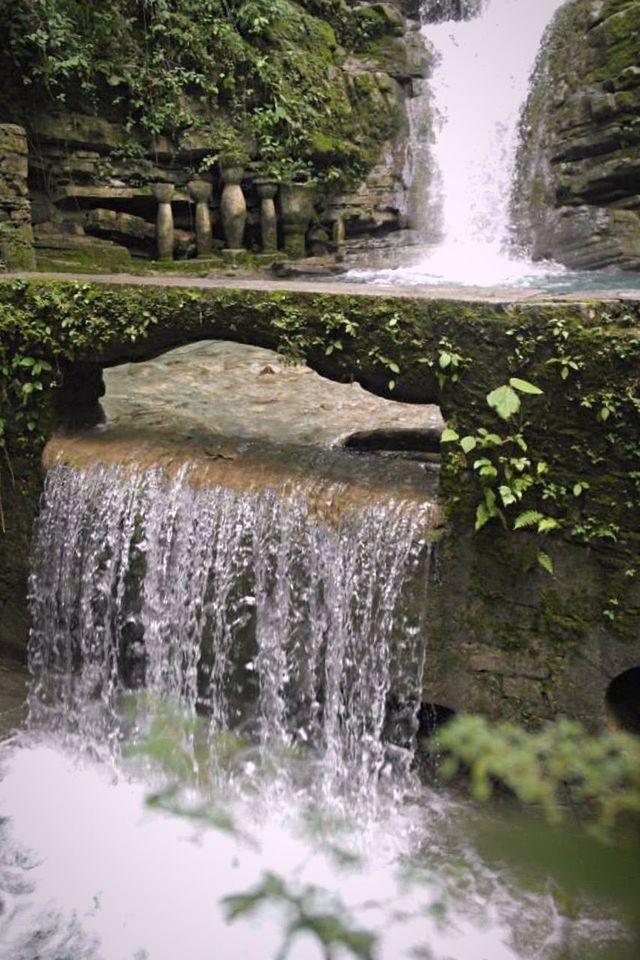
pixel 246 607
pixel 479 85
pixel 261 652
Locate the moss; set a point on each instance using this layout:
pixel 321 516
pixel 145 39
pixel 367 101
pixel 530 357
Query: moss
pixel 391 346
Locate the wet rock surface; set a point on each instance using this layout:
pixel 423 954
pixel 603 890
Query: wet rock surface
pixel 249 393
pixel 577 194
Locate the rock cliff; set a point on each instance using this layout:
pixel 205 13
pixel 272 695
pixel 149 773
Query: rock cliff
pixel 96 145
pixel 577 194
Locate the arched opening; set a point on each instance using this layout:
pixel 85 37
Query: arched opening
pixel 211 389
pixel 622 701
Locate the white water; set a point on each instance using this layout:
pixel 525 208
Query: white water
pixel 315 796
pixel 479 86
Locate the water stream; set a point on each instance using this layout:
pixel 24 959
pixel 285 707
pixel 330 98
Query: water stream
pixel 249 660
pixel 479 85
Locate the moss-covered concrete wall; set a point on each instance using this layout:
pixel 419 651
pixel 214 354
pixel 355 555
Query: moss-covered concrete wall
pixel 16 234
pixel 532 613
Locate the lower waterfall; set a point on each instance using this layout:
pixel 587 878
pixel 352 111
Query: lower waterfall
pixel 219 757
pixel 214 598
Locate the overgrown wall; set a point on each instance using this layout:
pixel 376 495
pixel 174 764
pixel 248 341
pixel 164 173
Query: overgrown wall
pixel 16 235
pixel 531 614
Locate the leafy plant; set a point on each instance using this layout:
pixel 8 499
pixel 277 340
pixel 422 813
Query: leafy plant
pixel 505 472
pixel 539 767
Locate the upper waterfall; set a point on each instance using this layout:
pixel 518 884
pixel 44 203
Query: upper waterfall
pixel 484 57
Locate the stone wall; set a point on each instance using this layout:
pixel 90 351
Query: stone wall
pixel 577 194
pixel 84 158
pixel 16 235
pixel 506 636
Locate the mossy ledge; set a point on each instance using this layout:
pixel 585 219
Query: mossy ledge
pixel 506 636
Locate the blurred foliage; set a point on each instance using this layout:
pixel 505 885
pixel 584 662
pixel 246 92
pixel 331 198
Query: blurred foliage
pixel 191 755
pixel 546 767
pixel 308 910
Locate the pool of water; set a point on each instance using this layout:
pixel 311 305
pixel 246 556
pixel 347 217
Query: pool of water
pixel 482 268
pixel 90 870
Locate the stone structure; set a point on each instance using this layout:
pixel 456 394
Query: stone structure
pixel 505 637
pixel 85 161
pixel 163 192
pixel 16 234
pixel 577 196
pixel 201 192
pixel 296 211
pixel 267 190
pixel 233 206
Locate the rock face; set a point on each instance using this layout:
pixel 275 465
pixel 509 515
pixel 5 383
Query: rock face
pixel 87 157
pixel 16 235
pixel 577 195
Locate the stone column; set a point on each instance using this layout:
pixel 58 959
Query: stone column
pixel 200 192
pixel 267 190
pixel 296 208
pixel 233 207
pixel 339 238
pixel 165 234
pixel 16 232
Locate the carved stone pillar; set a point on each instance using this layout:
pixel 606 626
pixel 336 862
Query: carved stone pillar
pixel 267 190
pixel 200 192
pixel 165 234
pixel 233 207
pixel 339 238
pixel 296 208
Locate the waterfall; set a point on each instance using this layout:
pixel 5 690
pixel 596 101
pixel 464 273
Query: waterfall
pixel 484 57
pixel 250 608
pixel 290 622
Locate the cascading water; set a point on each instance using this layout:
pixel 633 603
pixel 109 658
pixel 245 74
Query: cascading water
pixel 291 621
pixel 484 58
pixel 319 622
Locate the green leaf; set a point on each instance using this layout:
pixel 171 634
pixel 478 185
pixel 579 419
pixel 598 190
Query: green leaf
pixel 524 386
pixel 506 495
pixel 482 516
pixel 393 367
pixel 545 561
pixel 529 518
pixel 468 444
pixel 547 524
pixel 449 435
pixel 505 401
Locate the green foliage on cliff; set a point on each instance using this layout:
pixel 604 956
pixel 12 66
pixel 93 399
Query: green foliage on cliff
pixel 257 73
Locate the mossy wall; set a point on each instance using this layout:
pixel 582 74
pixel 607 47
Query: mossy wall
pixel 119 97
pixel 508 636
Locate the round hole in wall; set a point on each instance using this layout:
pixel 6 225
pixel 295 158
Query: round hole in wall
pixel 622 701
